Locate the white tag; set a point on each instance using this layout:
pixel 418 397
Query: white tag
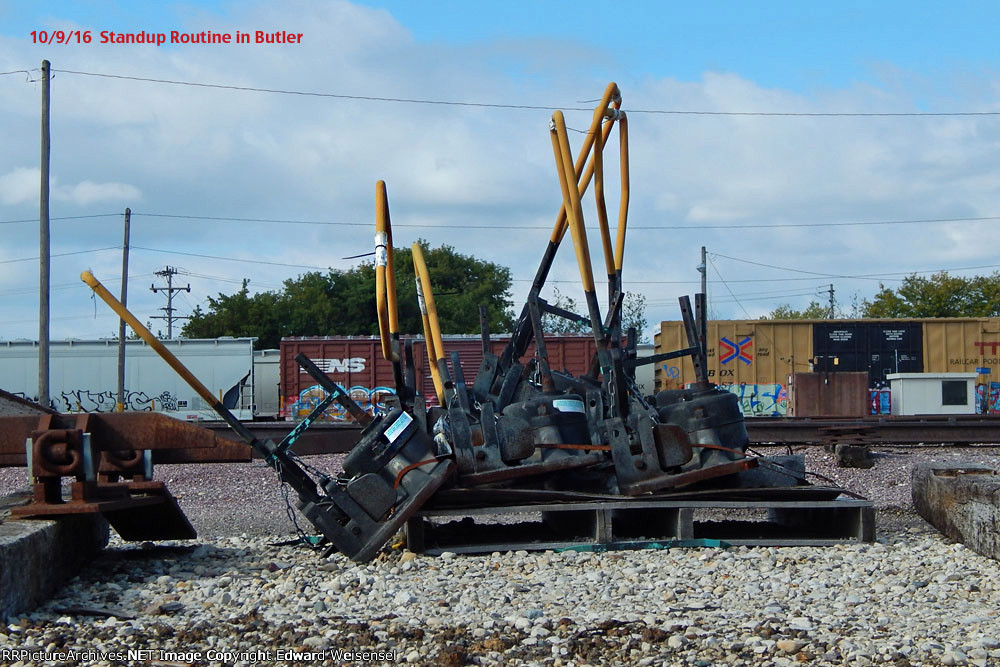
pixel 420 297
pixel 568 405
pixel 398 426
pixel 381 256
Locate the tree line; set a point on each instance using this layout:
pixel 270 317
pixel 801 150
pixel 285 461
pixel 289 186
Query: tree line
pixel 939 295
pixel 342 302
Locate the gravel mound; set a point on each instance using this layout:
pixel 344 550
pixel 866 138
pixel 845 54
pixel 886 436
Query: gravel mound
pixel 910 599
pixel 233 597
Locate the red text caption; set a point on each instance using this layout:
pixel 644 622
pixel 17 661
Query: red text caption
pixel 161 38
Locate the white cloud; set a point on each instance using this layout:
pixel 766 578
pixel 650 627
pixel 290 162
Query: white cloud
pixel 19 185
pixel 22 185
pixel 88 192
pixel 175 149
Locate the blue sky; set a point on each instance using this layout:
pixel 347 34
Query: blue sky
pixel 795 45
pixel 457 174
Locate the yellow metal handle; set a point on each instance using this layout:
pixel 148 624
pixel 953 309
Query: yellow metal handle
pixel 385 274
pixel 428 313
pixel 612 97
pixel 602 208
pixel 150 339
pixel 571 200
pixel 623 203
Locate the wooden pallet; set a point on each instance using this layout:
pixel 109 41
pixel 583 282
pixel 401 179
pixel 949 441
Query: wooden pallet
pixel 634 523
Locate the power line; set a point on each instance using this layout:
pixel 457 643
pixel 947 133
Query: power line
pixel 64 317
pixel 777 225
pixel 304 93
pixel 874 276
pixel 751 296
pixel 61 254
pixel 332 223
pixel 867 276
pixel 65 217
pixel 495 105
pixel 726 285
pixel 232 259
pixel 10 291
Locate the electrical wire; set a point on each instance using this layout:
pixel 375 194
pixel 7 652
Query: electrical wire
pixel 866 276
pixel 494 105
pixel 231 259
pixel 770 341
pixel 64 217
pixel 547 228
pixel 726 285
pixel 61 254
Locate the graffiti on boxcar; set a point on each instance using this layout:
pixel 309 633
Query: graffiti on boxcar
pixel 759 399
pixel 879 401
pixel 85 400
pixel 988 398
pixel 372 401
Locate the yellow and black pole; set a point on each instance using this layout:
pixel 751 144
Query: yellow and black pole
pixel 623 203
pixel 385 287
pixel 432 328
pixel 574 209
pixel 168 356
pixel 610 365
pixel 609 103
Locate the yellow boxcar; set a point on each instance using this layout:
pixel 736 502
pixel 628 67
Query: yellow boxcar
pixel 739 352
pixel 754 358
pixel 953 345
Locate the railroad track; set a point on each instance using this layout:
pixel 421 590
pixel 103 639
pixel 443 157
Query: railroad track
pixel 930 430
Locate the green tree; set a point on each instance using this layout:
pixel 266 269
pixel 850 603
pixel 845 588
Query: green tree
pixel 940 295
pixel 814 311
pixel 239 314
pixel 343 302
pixel 633 315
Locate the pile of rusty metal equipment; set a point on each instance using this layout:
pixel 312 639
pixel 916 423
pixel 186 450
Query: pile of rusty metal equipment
pixel 519 428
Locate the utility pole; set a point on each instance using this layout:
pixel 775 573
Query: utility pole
pixel 832 302
pixel 703 270
pixel 121 323
pixel 169 272
pixel 43 247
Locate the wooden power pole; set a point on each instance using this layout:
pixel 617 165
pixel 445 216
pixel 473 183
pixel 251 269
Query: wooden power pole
pixel 121 324
pixel 43 247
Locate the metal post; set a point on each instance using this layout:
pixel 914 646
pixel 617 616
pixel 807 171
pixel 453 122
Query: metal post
pixel 43 247
pixel 832 315
pixel 703 270
pixel 121 326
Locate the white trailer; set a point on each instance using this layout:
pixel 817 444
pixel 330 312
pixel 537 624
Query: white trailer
pixel 83 375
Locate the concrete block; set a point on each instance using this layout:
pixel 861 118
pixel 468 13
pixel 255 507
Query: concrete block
pixel 962 500
pixel 854 456
pixel 38 556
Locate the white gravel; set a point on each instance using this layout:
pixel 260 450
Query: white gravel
pixel 912 598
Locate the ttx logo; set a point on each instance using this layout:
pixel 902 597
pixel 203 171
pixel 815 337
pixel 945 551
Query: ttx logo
pixel 982 345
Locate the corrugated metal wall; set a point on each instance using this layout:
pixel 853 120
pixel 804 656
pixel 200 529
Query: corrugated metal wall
pixel 753 357
pixel 83 374
pixel 356 363
pixel 739 352
pixel 957 345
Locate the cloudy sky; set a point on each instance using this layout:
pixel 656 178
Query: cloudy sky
pixel 815 144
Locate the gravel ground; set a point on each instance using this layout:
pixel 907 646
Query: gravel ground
pixel 912 598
